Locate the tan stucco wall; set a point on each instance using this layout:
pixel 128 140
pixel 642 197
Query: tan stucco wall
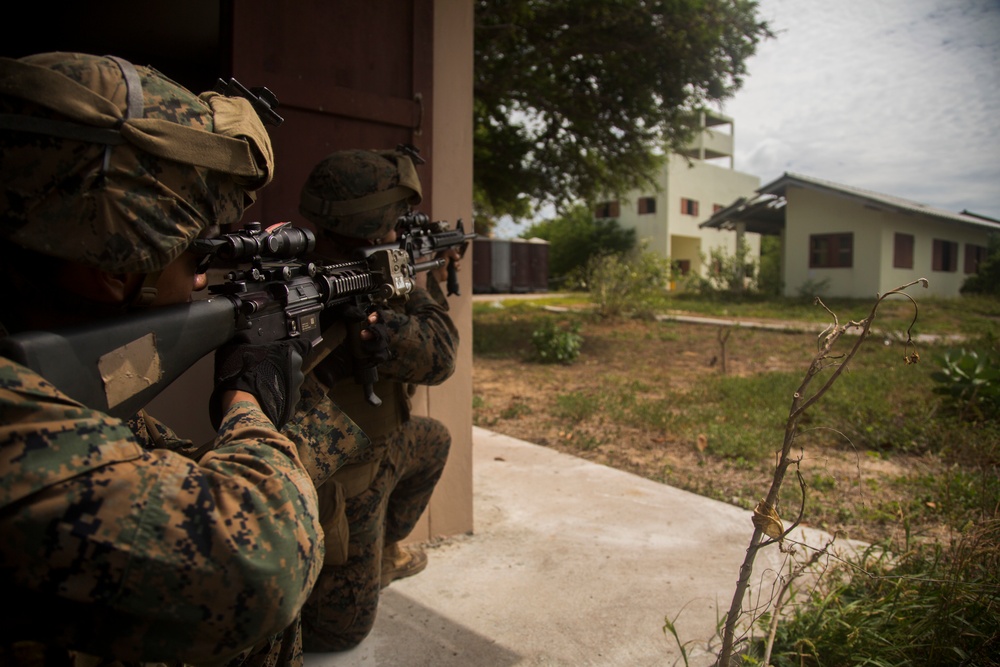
pixel 924 231
pixel 450 511
pixel 670 233
pixel 811 211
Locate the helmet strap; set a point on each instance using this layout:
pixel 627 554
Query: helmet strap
pixel 146 292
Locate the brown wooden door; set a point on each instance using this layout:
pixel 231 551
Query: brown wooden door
pixel 346 75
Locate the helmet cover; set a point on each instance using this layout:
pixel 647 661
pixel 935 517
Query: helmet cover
pixel 116 166
pixel 360 194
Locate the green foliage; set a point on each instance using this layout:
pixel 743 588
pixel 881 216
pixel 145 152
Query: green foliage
pixel 769 277
pixel 625 283
pixel 933 605
pixel 986 280
pixel 970 379
pixel 578 98
pixel 575 237
pixel 557 343
pixel 734 274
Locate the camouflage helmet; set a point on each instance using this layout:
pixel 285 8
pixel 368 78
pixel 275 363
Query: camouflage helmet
pixel 116 166
pixel 360 194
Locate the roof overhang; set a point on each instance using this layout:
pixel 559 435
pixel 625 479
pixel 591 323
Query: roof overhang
pixel 764 213
pixel 761 214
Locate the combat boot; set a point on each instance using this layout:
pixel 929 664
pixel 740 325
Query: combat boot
pixel 401 561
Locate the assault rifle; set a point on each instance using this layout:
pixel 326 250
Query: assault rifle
pixel 119 365
pixel 420 236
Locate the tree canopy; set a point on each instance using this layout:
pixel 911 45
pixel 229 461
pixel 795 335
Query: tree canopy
pixel 576 99
pixel 576 236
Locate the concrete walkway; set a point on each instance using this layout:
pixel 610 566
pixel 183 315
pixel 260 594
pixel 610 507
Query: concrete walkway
pixel 570 563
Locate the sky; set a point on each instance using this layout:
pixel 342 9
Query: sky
pixel 901 97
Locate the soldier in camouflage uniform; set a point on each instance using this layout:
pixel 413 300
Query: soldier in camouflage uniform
pixel 355 198
pixel 117 541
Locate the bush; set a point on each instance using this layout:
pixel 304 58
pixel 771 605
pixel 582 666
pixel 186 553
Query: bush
pixel 733 274
pixel 626 283
pixel 576 237
pixel 556 344
pixel 986 279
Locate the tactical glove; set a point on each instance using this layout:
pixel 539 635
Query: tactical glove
pixel 367 354
pixel 271 372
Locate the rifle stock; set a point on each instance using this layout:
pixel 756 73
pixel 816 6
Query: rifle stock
pixel 120 365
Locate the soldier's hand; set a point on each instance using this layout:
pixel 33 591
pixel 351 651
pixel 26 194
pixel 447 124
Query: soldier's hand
pixel 272 373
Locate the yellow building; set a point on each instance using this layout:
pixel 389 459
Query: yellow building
pixel 688 190
pixel 839 240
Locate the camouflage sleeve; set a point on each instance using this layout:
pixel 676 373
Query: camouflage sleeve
pixel 148 554
pixel 423 339
pixel 326 438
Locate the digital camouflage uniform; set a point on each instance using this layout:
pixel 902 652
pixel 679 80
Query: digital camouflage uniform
pixel 118 541
pixel 369 505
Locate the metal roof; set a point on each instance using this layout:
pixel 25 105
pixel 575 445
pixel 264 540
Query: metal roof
pixel 764 213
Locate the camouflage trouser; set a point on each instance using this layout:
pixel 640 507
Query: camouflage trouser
pixel 341 610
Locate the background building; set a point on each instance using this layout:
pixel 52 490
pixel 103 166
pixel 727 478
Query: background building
pixel 688 190
pixel 839 240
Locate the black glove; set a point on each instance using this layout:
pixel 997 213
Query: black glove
pixel 271 372
pixel 367 354
pixel 370 352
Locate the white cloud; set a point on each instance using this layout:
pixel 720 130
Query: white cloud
pixel 896 96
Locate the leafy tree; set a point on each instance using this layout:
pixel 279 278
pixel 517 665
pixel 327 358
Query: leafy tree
pixel 986 279
pixel 575 99
pixel 576 236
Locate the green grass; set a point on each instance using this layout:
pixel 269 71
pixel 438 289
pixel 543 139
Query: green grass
pixel 920 597
pixel 932 605
pixel 971 315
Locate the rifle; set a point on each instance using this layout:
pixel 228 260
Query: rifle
pixel 421 236
pixel 119 365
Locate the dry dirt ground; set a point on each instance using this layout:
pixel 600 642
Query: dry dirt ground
pixel 519 398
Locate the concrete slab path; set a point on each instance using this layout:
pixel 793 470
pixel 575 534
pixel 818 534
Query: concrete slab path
pixel 570 563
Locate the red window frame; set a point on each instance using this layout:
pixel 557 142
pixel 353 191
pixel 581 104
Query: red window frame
pixel 902 251
pixel 831 251
pixel 607 209
pixel 945 257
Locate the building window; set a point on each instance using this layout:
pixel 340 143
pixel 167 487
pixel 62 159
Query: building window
pixel 682 266
pixel 902 253
pixel 945 256
pixel 689 207
pixel 716 208
pixel 831 251
pixel 974 256
pixel 647 205
pixel 607 209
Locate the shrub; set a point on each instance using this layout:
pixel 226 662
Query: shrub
pixel 557 344
pixel 731 274
pixel 626 283
pixel 986 279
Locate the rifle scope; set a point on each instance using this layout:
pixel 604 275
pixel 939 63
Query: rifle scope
pixel 284 242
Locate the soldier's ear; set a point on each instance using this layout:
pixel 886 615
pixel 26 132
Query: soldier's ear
pixel 99 285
